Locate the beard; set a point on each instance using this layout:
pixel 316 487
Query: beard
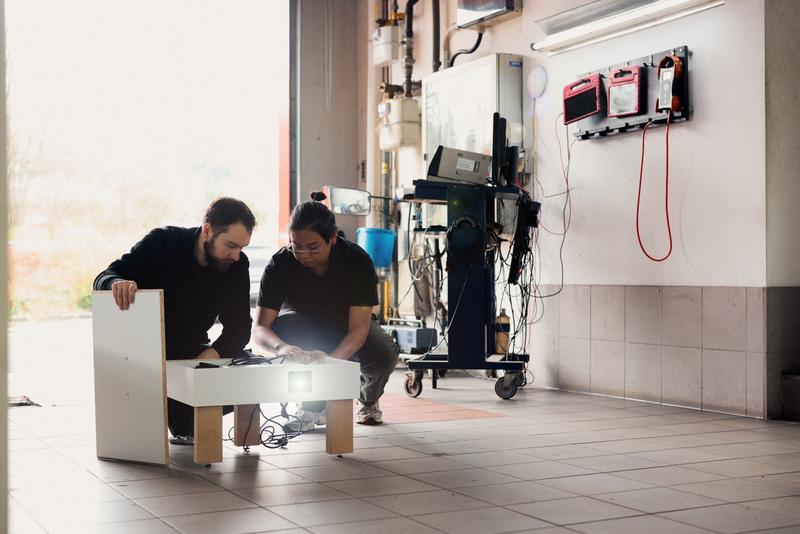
pixel 216 264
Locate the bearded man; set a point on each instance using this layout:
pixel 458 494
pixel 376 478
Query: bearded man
pixel 205 277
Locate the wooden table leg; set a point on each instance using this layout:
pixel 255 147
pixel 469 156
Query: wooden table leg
pixel 339 427
pixel 246 425
pixel 207 434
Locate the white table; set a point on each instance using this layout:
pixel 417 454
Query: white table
pixel 245 387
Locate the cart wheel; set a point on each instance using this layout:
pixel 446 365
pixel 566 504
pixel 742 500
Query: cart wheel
pixel 413 386
pixel 505 391
pixel 442 372
pixel 520 380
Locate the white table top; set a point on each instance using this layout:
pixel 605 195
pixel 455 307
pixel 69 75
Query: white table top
pixel 328 379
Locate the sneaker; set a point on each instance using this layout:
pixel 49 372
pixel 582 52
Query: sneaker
pixel 369 414
pixel 182 440
pixel 305 422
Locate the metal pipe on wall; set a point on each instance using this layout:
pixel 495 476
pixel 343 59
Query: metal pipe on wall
pixel 408 62
pixel 374 164
pixel 436 29
pixel 386 187
pixel 386 159
pixel 392 223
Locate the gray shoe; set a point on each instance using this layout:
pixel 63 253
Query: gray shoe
pixel 369 414
pixel 305 422
pixel 182 440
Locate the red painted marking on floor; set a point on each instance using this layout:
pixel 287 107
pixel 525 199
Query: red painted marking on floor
pixel 403 409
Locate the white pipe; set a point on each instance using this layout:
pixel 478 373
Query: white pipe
pixel 373 175
pixel 446 45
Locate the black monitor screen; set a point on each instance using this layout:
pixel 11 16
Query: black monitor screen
pixel 498 146
pixel 580 105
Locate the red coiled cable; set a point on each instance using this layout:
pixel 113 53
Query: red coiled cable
pixel 639 194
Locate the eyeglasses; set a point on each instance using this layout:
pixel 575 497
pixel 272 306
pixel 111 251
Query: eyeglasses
pixel 304 252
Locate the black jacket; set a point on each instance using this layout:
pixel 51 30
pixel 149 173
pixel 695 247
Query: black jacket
pixel 194 296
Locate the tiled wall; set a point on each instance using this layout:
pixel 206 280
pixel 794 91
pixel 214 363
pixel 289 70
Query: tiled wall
pixel 783 344
pixel 700 347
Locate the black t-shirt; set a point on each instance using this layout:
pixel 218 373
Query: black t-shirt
pixel 194 296
pixel 350 281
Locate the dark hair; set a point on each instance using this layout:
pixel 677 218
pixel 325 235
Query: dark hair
pixel 226 211
pixel 315 216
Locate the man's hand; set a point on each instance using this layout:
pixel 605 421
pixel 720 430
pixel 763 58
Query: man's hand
pixel 297 355
pixel 315 356
pixel 208 354
pixel 288 351
pixel 124 292
pixel 305 357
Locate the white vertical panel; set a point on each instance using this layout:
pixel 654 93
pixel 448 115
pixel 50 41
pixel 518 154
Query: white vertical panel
pixel 130 378
pixel 3 287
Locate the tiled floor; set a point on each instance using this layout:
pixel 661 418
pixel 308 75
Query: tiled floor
pixel 544 462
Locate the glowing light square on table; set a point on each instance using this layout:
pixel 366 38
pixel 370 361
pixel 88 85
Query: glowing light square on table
pixel 327 379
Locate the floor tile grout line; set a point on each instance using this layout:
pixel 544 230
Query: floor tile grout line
pixel 25 509
pixel 720 531
pixel 589 405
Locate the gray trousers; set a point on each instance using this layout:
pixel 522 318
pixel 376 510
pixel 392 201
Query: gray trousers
pixel 377 357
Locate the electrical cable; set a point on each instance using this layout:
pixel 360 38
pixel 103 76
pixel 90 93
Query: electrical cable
pixel 567 203
pixel 565 174
pixel 275 438
pixel 565 171
pixel 254 360
pixel 666 202
pixel 452 317
pixel 465 51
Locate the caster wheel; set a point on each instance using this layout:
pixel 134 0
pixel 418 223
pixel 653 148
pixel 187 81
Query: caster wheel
pixel 442 373
pixel 520 380
pixel 506 391
pixel 413 386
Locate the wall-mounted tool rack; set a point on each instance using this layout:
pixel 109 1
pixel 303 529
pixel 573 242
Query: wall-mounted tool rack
pixel 601 125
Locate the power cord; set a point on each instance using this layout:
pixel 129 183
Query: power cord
pixel 455 311
pixel 277 435
pixel 274 438
pixel 467 51
pixel 252 359
pixel 567 220
pixel 639 193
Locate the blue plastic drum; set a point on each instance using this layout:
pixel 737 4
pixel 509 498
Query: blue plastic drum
pixel 379 244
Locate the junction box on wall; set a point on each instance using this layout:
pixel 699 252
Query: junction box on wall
pixel 386 41
pixel 399 123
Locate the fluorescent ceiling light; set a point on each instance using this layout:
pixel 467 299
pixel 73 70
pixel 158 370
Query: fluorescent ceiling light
pixel 622 24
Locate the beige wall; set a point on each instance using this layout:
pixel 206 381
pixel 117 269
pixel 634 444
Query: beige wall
pixel 782 20
pixel 717 164
pixel 3 289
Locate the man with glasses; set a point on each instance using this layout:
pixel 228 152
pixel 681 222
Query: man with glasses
pixel 318 294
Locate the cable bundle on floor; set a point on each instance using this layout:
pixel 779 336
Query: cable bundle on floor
pixel 272 434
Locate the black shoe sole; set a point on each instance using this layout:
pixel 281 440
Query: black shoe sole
pixel 370 422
